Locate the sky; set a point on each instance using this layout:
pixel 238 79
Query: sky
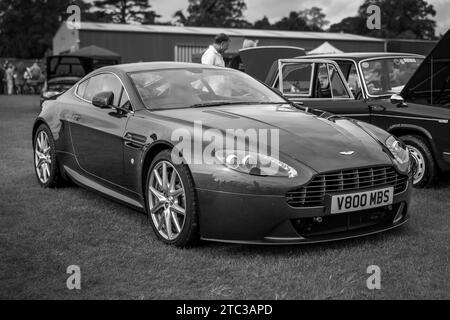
pixel 335 10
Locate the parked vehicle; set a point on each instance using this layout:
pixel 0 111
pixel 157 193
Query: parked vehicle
pixel 63 71
pixel 114 132
pixel 375 81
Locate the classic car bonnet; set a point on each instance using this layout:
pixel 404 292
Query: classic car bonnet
pixel 63 66
pixel 432 76
pixel 258 60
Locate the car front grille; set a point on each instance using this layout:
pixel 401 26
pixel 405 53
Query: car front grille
pixel 313 193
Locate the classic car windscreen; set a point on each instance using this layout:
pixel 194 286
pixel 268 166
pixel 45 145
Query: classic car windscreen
pixel 387 76
pixel 184 88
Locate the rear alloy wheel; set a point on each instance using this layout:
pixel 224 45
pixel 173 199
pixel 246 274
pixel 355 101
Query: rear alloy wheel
pixel 171 201
pixel 45 158
pixel 424 167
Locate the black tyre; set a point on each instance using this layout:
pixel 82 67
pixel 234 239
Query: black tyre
pixel 171 201
pixel 425 168
pixel 45 162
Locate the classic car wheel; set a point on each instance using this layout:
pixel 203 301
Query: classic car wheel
pixel 171 201
pixel 45 158
pixel 425 170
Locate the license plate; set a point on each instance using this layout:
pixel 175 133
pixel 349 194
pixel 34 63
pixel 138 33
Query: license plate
pixel 362 200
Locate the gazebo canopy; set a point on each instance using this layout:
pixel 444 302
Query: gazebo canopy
pixel 96 53
pixel 325 48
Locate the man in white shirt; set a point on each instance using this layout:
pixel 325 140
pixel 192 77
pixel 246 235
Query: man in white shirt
pixel 213 55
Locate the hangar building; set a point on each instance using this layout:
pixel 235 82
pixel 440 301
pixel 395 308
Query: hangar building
pixel 176 43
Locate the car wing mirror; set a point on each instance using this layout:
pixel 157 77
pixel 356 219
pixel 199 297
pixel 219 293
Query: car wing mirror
pixel 103 100
pixel 398 101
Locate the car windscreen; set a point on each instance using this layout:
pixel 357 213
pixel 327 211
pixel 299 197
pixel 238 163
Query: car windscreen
pixel 192 87
pixel 386 76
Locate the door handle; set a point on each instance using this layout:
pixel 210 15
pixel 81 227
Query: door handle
pixel 377 108
pixel 76 116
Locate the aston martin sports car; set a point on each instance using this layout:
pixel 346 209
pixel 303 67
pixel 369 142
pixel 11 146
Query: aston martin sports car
pixel 211 153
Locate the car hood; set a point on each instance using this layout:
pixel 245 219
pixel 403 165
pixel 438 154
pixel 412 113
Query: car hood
pixel 258 60
pixel 432 72
pixel 315 141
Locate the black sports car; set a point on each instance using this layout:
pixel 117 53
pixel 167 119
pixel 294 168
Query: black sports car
pixel 212 153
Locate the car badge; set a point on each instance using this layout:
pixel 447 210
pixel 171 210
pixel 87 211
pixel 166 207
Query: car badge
pixel 347 153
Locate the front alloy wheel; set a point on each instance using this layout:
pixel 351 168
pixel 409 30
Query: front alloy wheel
pixel 171 201
pixel 167 200
pixel 42 157
pixel 45 164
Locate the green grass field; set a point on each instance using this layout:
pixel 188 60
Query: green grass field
pixel 43 231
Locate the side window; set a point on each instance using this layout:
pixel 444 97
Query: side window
pixel 102 83
pixel 323 82
pixel 350 73
pixel 337 85
pixel 353 82
pixel 125 101
pixel 297 78
pixel 95 86
pixel 82 88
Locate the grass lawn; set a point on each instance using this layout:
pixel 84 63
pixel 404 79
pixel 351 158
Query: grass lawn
pixel 43 231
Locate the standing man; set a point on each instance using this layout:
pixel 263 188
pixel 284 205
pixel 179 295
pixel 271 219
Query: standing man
pixel 2 77
pixel 20 80
pixel 213 55
pixel 10 79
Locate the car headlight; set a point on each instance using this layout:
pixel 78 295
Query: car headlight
pixel 49 94
pixel 255 163
pixel 399 152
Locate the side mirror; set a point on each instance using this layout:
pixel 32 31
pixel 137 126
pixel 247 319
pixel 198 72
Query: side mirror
pixel 103 99
pixel 398 101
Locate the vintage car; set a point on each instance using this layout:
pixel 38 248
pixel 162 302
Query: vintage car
pixel 141 134
pixel 63 71
pixel 375 81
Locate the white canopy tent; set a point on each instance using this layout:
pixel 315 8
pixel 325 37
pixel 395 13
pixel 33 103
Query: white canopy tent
pixel 325 48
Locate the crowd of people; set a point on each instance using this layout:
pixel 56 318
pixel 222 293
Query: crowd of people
pixel 20 79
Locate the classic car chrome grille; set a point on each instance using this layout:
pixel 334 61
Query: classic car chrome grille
pixel 313 194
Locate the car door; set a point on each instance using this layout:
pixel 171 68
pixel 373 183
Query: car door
pixel 97 134
pixel 319 83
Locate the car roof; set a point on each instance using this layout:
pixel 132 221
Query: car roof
pixel 145 66
pixel 364 55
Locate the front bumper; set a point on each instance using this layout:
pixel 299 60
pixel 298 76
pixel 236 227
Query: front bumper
pixel 268 219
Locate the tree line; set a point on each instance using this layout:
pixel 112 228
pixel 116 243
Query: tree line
pixel 27 27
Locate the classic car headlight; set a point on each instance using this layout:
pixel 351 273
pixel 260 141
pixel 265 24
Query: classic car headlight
pixel 400 153
pixel 255 163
